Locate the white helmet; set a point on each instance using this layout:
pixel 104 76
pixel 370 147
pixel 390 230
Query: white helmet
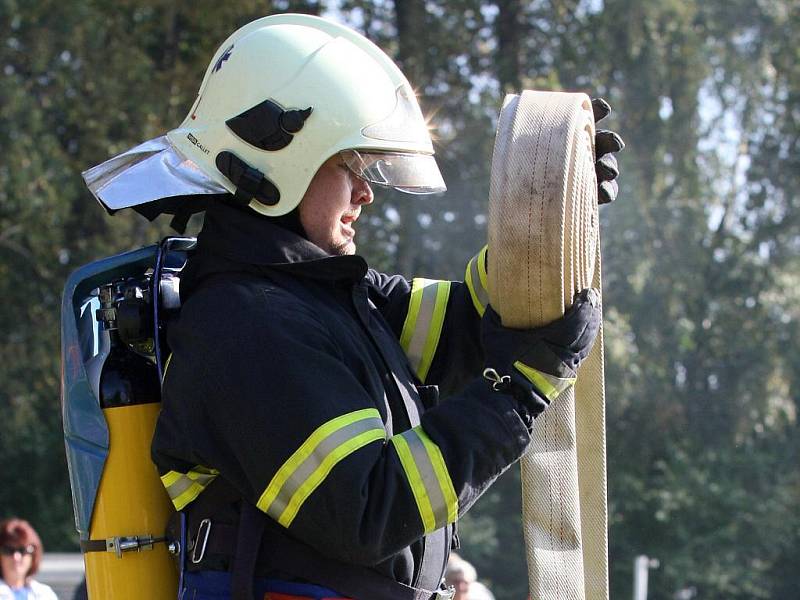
pixel 281 96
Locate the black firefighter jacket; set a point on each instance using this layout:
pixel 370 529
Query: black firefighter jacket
pixel 297 377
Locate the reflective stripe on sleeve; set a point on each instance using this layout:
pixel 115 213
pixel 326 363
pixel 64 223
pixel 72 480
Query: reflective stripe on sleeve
pixel 549 385
pixel 424 321
pixel 183 488
pixel 428 477
pixel 308 467
pixel 475 278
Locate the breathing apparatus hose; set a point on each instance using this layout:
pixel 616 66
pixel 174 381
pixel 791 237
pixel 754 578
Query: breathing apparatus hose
pixel 544 246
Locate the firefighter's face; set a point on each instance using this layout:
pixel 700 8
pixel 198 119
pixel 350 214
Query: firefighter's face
pixel 331 206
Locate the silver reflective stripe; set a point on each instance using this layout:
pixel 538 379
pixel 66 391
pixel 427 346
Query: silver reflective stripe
pixel 477 282
pixel 314 460
pixel 180 486
pixel 183 488
pixel 307 468
pixel 422 325
pixel 481 293
pixel 429 479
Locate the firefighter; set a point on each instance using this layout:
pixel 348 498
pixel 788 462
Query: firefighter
pixel 324 426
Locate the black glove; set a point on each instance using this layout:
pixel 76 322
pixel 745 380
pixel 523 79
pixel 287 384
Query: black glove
pixel 536 365
pixel 606 143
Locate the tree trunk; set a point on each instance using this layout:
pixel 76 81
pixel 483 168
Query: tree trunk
pixel 411 49
pixel 508 31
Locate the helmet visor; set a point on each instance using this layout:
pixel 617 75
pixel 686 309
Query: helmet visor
pixel 407 172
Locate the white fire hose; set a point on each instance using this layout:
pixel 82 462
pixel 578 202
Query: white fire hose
pixel 544 246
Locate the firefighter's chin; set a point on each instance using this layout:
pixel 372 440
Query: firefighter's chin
pixel 345 244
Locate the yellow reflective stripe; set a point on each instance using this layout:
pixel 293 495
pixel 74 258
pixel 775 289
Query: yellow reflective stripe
pixel 476 280
pixel 191 493
pixel 308 466
pixel 442 474
pixel 307 449
pixel 410 324
pixel 321 472
pixel 415 481
pixel 435 329
pixel 549 385
pixel 171 477
pixel 423 325
pixel 482 267
pixel 183 488
pixel 476 302
pixel 428 478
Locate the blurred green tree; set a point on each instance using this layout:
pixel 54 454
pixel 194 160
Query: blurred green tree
pixel 701 251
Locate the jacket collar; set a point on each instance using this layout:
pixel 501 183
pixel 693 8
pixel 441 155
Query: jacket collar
pixel 245 237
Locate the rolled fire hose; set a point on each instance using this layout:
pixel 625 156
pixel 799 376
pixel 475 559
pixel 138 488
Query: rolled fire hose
pixel 544 246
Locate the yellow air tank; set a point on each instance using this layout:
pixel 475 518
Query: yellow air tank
pixel 132 507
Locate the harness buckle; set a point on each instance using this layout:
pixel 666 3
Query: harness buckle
pixel 202 532
pixel 447 594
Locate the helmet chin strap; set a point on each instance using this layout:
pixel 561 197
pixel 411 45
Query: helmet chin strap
pixel 251 184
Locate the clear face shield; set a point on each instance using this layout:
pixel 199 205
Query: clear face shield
pixel 411 173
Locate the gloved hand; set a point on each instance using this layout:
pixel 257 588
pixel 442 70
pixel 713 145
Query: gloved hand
pixel 537 365
pixel 606 143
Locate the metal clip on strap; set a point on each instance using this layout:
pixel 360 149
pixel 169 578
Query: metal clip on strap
pixel 202 538
pixel 121 544
pixel 498 381
pixel 447 594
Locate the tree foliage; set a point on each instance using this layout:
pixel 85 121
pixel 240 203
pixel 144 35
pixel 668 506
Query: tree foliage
pixel 701 251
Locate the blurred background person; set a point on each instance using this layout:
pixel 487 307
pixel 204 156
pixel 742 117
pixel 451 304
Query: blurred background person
pixel 20 556
pixel 478 591
pixel 461 575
